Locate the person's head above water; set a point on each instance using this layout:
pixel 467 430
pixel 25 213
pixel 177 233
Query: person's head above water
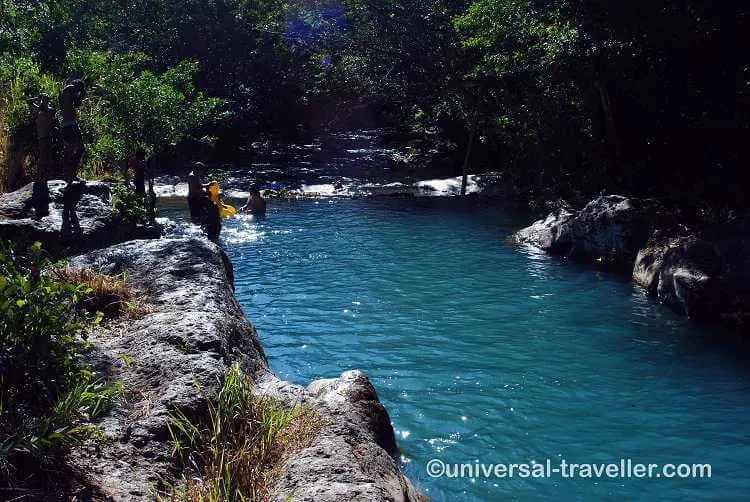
pixel 254 189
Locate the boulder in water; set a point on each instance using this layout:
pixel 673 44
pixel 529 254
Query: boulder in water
pixel 552 234
pixel 649 262
pixel 690 278
pixel 609 229
pixel 704 276
pixel 352 458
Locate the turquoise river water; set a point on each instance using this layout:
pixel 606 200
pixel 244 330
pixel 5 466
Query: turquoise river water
pixel 486 352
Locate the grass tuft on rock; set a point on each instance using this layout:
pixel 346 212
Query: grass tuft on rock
pixel 109 294
pixel 235 453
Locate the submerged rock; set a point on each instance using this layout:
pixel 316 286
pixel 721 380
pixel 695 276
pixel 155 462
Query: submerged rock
pixel 194 331
pixel 96 225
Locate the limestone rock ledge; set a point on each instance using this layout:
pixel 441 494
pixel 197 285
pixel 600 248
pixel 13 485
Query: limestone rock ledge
pixel 705 276
pixel 100 226
pixel 195 330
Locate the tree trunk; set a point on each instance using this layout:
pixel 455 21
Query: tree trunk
pixel 4 159
pixel 469 147
pixel 611 136
pixel 16 155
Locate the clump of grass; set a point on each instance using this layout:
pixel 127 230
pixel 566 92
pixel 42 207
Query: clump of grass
pixel 109 294
pixel 67 423
pixel 240 447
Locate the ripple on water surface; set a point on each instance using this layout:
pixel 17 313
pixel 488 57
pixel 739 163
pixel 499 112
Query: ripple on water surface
pixel 485 351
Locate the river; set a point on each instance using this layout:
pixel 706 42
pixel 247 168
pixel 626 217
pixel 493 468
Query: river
pixel 485 352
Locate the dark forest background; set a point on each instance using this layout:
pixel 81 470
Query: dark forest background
pixel 568 97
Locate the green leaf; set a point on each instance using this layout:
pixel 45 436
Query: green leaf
pixel 125 360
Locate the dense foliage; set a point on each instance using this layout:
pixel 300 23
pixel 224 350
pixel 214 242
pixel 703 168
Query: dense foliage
pixel 131 108
pixel 129 105
pixel 39 325
pixel 46 391
pixel 567 95
pixel 130 205
pixel 652 96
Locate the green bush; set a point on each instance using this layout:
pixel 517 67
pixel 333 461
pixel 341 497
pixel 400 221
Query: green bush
pixel 46 392
pixel 130 205
pixel 20 79
pixel 128 107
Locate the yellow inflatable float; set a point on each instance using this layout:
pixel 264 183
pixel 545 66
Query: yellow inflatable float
pixel 225 210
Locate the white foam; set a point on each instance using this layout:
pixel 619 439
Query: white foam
pixel 326 190
pixel 439 187
pixel 240 229
pixel 167 191
pixel 448 186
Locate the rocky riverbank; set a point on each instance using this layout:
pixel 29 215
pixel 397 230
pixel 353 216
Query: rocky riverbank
pixel 97 224
pixel 195 331
pixel 704 274
pixel 175 354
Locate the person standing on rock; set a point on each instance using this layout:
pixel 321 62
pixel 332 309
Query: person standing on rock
pixel 45 121
pixel 72 152
pixel 211 221
pixel 72 194
pixel 203 211
pixel 197 195
pixel 70 99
